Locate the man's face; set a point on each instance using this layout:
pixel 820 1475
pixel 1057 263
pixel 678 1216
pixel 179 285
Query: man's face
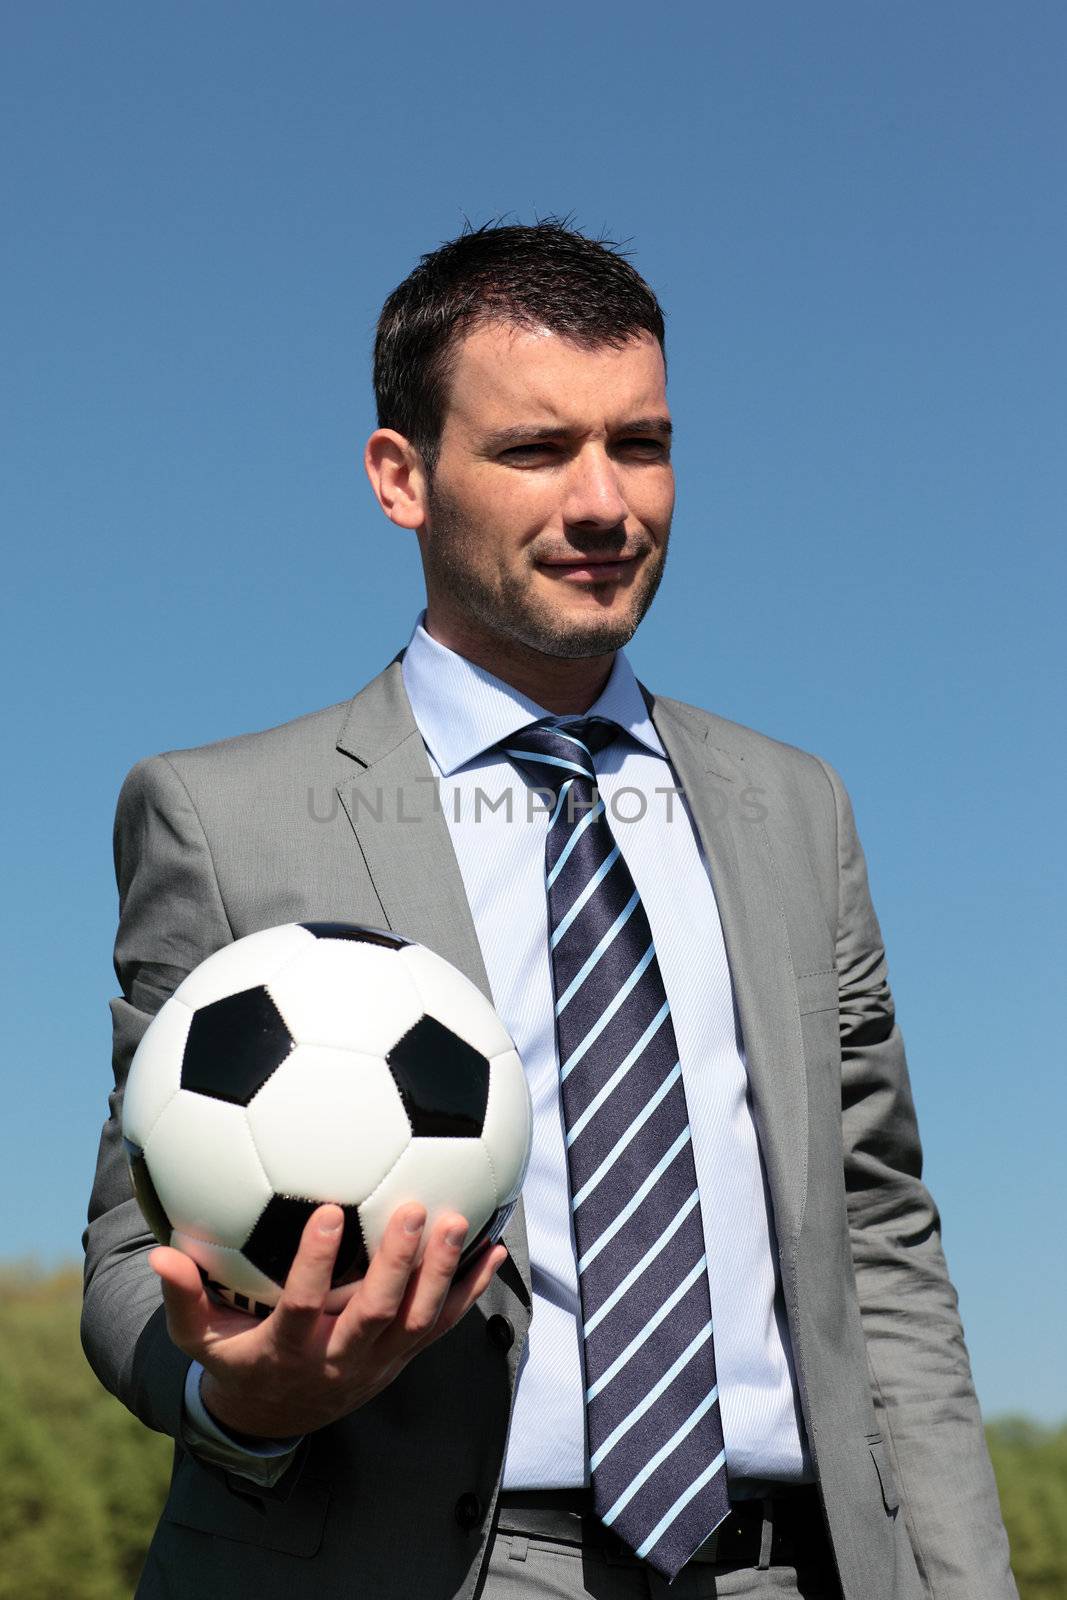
pixel 551 502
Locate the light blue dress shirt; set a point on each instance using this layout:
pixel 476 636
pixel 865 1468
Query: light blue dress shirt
pixel 498 826
pixel 462 712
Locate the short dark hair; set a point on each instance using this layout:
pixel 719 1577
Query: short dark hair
pixel 543 275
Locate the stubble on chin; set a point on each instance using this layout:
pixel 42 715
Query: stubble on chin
pixel 534 621
pixel 512 608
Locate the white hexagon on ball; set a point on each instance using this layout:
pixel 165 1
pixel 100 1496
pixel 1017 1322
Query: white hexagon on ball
pixel 156 1070
pixel 342 991
pixel 206 1170
pixel 328 1123
pixel 441 1174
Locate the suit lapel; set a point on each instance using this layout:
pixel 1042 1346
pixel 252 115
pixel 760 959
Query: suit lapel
pixel 744 877
pixel 391 801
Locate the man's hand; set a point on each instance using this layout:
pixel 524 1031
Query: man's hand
pixel 301 1368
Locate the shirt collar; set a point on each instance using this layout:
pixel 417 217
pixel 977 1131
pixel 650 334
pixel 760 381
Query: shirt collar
pixel 461 709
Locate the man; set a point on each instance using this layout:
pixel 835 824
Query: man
pixel 744 1373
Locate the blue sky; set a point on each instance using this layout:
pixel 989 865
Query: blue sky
pixel 854 215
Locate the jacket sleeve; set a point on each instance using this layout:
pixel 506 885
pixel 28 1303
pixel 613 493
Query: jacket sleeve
pixel 920 1372
pixel 264 1464
pixel 171 917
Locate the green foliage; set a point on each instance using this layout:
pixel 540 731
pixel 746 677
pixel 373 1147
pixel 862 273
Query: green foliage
pixel 51 1522
pixel 1031 1468
pixel 82 1482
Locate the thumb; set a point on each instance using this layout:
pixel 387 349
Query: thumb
pixel 186 1301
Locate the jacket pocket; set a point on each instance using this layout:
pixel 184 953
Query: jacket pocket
pixel 887 1483
pixel 293 1526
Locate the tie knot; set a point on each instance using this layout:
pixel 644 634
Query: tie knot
pixel 550 753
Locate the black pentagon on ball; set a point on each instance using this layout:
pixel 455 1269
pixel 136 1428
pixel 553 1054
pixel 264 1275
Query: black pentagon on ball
pixel 273 1242
pixel 145 1190
pixel 356 934
pixel 443 1081
pixel 234 1046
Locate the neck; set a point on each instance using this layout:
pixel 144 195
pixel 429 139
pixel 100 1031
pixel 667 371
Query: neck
pixel 563 685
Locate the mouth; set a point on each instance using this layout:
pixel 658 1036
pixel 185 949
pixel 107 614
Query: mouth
pixel 591 569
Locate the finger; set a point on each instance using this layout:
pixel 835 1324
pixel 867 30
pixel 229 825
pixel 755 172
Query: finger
pixel 176 1268
pixel 186 1301
pixel 297 1313
pixel 430 1284
pixel 196 1320
pixel 373 1308
pixel 466 1290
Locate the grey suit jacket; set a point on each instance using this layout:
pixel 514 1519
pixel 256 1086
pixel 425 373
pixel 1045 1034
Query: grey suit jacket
pixel 313 820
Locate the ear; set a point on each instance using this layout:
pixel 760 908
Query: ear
pixel 397 477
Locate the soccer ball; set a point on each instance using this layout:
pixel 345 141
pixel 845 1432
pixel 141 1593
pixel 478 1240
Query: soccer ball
pixel 321 1062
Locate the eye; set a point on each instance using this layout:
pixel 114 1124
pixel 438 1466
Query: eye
pixel 646 449
pixel 523 454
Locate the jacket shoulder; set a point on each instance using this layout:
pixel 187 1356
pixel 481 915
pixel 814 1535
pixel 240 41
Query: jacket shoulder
pixel 748 745
pixel 246 770
pixel 314 729
pixel 318 743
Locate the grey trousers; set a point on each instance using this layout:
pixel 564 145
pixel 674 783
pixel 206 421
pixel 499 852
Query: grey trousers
pixel 530 1567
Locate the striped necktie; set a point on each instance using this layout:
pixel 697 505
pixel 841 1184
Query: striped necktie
pixel 656 1453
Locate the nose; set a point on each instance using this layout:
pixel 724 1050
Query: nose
pixel 594 496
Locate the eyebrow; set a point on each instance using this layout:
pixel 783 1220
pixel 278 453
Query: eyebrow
pixel 502 438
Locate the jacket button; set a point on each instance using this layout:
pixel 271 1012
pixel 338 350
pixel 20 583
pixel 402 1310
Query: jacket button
pixel 468 1511
pixel 499 1332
